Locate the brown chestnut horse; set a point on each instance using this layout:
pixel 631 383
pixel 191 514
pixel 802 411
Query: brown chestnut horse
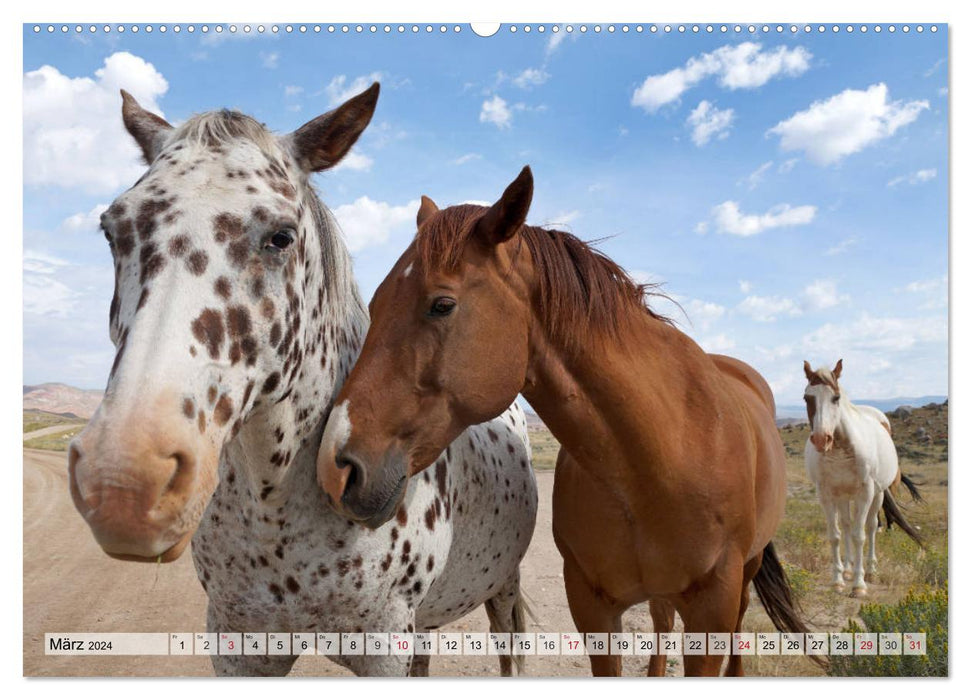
pixel 671 481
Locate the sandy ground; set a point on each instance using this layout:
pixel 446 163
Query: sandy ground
pixel 70 585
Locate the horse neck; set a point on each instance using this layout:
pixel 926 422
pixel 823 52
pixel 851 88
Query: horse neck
pixel 595 397
pixel 851 424
pixel 335 338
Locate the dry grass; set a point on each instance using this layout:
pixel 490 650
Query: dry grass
pixel 37 420
pixel 57 442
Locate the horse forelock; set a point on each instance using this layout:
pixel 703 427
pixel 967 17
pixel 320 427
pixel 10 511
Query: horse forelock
pixel 824 376
pixel 222 127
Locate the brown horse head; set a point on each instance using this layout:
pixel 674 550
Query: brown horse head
pixel 218 250
pixel 822 397
pixel 453 300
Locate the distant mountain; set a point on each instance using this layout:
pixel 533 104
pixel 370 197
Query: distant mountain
pixel 61 398
pixel 799 412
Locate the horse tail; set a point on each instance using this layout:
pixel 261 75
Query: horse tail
pixel 504 619
pixel 775 594
pixel 893 515
pixel 519 611
pixel 911 487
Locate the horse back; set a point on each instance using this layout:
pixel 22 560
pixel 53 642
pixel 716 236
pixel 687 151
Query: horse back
pixel 756 398
pixel 743 374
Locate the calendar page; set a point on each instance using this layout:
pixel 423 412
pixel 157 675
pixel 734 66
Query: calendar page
pixel 209 208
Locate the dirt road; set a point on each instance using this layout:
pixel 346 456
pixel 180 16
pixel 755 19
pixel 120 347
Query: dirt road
pixel 70 585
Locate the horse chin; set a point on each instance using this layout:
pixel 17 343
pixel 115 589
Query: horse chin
pixel 385 512
pixel 169 555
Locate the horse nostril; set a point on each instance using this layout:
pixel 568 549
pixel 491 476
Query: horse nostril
pixel 355 474
pixel 182 475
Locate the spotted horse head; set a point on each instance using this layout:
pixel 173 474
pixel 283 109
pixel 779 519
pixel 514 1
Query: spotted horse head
pixel 223 280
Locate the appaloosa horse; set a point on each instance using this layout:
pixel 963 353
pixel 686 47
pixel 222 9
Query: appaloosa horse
pixel 236 320
pixel 851 458
pixel 671 480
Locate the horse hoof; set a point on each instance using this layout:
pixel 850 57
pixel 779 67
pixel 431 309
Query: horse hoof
pixel 838 586
pixel 858 592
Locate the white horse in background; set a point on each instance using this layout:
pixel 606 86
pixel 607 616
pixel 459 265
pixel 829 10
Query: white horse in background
pixel 852 460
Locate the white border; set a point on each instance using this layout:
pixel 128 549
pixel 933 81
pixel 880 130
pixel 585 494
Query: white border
pixel 741 11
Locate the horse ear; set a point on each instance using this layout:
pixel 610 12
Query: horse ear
pixel 149 130
pixel 322 142
pixel 807 369
pixel 838 369
pixel 427 208
pixel 506 217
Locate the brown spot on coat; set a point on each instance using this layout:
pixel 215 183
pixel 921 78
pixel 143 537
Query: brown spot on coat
pixel 223 410
pixel 208 330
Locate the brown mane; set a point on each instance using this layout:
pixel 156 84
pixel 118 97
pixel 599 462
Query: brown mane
pixel 581 291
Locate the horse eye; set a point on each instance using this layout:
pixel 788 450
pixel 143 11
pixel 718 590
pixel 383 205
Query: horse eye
pixel 442 306
pixel 280 240
pixel 836 399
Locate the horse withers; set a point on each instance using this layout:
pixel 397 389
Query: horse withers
pixel 851 458
pixel 236 319
pixel 671 479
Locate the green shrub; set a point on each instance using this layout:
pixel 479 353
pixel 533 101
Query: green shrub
pixel 919 611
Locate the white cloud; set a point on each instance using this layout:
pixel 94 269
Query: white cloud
pixel 754 179
pixel 832 129
pixel 788 165
pixel 822 294
pixel 73 134
pixel 495 110
pixel 745 286
pixel 84 222
pixel 728 218
pixel 355 161
pixel 270 59
pixel 292 90
pixel 934 292
pixel 340 89
pixel 742 66
pixel 707 122
pixel 870 334
pixel 933 69
pixel 557 38
pixel 466 158
pixel 703 313
pixel 767 309
pixel 366 222
pixel 842 246
pixel 44 294
pixel 531 77
pixel 914 178
pixel 720 343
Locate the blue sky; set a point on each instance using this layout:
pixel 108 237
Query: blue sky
pixel 790 190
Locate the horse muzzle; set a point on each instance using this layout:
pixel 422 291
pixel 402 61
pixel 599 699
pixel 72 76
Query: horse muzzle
pixel 367 494
pixel 141 501
pixel 823 442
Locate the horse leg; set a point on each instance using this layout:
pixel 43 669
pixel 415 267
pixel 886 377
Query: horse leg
pixel 861 504
pixel 833 535
pixel 419 666
pixel 712 606
pixel 592 612
pixel 505 612
pixel 846 527
pixel 662 615
pixel 871 535
pixel 751 568
pixel 239 666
